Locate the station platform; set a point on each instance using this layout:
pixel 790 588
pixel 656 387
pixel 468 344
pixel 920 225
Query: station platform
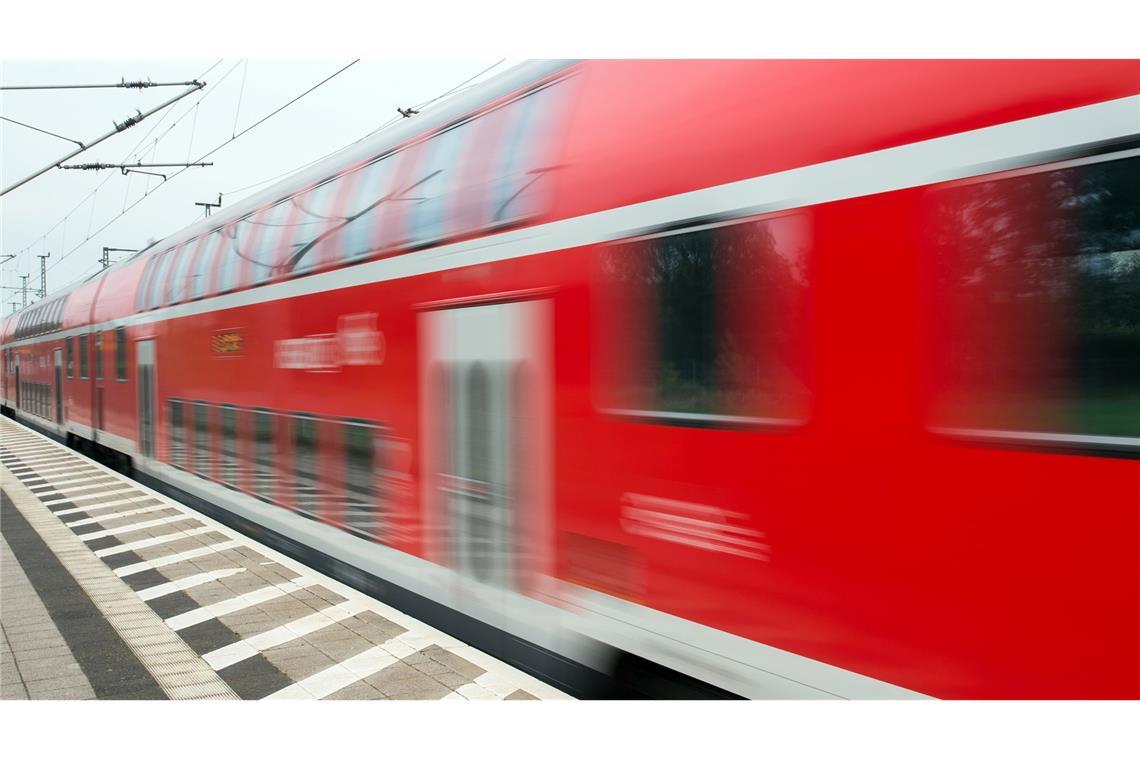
pixel 114 591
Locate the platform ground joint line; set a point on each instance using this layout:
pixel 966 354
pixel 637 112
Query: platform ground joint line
pixel 179 671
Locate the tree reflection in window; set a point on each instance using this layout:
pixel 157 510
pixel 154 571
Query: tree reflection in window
pixel 710 321
pixel 1037 321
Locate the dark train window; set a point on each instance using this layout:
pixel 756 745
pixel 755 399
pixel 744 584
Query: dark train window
pixel 202 439
pixel 229 459
pixel 1035 323
pixel 708 322
pixel 121 354
pixel 70 359
pixel 177 434
pixel 83 357
pixel 264 455
pixel 99 355
pixel 305 463
pixel 360 465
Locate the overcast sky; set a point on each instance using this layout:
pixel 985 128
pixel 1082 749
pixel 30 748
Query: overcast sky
pixel 73 214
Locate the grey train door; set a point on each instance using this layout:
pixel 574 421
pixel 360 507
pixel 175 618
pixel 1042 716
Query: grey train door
pixel 146 379
pixel 486 419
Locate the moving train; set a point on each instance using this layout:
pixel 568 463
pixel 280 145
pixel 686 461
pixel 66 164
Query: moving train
pixel 755 378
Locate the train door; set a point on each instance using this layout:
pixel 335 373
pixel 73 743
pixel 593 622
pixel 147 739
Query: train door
pixel 59 386
pixel 97 413
pixel 486 417
pixel 144 354
pixel 18 388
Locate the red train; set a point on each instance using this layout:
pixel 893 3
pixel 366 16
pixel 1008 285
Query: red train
pixel 792 378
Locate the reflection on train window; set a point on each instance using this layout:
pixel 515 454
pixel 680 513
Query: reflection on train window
pixel 161 272
pixel 230 261
pixel 318 214
pixel 83 357
pixel 144 284
pixel 121 354
pixel 709 322
pixel 264 456
pixel 178 271
pixel 305 465
pixel 368 195
pixel 201 444
pixel 521 183
pixel 70 359
pixel 1036 319
pixel 265 238
pixel 177 434
pixel 204 264
pixel 436 182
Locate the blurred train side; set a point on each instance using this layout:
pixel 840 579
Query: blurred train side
pixel 832 542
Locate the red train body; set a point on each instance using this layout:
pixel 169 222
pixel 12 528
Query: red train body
pixel 804 379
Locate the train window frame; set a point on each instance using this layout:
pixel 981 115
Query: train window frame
pixel 172 291
pixel 203 269
pixel 759 423
pixel 439 164
pixel 1044 441
pixel 70 351
pixel 228 263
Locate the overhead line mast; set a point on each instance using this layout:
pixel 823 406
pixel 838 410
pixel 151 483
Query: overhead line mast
pixel 136 85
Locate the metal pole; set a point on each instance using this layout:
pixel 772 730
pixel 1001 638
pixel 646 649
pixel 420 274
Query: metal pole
pixel 24 289
pixel 130 122
pixel 43 273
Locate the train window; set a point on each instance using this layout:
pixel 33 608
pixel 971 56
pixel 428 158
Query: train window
pixel 177 434
pixel 435 183
pixel 1035 325
pixel 98 355
pixel 229 452
pixel 204 265
pixel 361 508
pixel 201 463
pixel 264 237
pixel 368 198
pixel 161 273
pixel 177 278
pixel 70 359
pixel 264 455
pixel 229 261
pixel 83 358
pixel 709 323
pixel 305 464
pixel 144 283
pixel 316 215
pixel 520 188
pixel 121 354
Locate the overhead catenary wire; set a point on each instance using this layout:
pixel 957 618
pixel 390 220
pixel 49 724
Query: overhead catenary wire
pixel 133 152
pixel 211 152
pixel 388 123
pixel 136 85
pixel 53 134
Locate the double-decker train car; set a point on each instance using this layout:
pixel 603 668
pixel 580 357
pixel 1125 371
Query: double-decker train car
pixel 780 378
